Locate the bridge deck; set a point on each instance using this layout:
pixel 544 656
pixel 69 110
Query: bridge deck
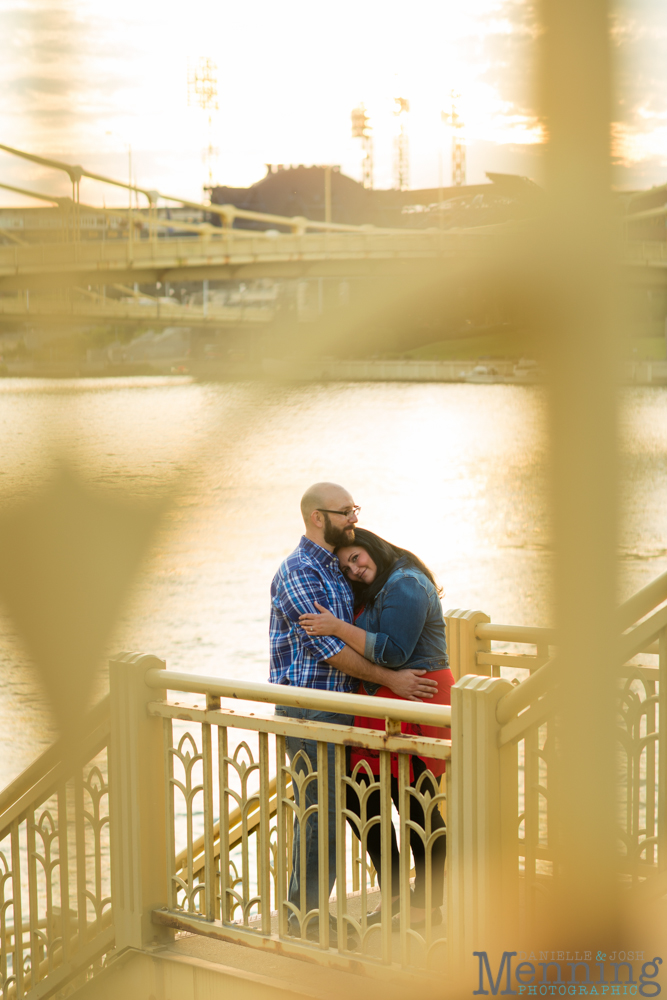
pixel 229 255
pixel 240 254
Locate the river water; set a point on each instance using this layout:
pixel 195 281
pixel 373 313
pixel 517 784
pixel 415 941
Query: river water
pixel 455 472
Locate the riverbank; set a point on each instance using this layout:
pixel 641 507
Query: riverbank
pixel 493 371
pixel 480 371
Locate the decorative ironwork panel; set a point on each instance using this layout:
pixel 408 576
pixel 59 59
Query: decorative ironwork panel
pixel 638 738
pixel 55 895
pixel 639 817
pixel 535 859
pixel 184 766
pixel 260 854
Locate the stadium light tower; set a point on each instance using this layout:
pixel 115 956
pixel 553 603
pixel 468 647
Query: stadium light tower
pixel 454 119
pixel 362 129
pixel 203 93
pixel 401 147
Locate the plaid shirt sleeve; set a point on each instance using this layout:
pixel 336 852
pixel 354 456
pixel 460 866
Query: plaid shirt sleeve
pixel 296 596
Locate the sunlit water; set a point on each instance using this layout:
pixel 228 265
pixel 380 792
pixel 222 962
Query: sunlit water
pixel 455 472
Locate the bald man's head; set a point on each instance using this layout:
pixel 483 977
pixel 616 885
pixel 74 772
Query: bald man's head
pixel 329 514
pixel 324 496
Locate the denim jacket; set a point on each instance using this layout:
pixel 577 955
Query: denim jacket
pixel 405 627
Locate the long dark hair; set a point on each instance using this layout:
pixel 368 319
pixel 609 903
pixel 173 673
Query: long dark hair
pixel 385 556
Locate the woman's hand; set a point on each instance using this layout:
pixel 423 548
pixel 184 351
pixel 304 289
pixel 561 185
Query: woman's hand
pixel 323 624
pixel 412 685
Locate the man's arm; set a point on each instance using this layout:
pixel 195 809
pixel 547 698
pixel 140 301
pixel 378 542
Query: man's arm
pixel 298 595
pixel 413 685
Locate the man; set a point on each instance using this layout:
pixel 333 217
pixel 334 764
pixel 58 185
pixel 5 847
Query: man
pixel 311 575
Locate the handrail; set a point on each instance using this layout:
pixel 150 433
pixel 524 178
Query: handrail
pixel 633 642
pixel 70 941
pixel 183 251
pixel 49 759
pixel 631 611
pixel 51 199
pixel 231 211
pixel 98 939
pixel 648 213
pixel 644 601
pixel 643 635
pixel 284 694
pixel 88 747
pixel 76 172
pixel 516 633
pixel 535 686
pixel 529 691
pixel 56 914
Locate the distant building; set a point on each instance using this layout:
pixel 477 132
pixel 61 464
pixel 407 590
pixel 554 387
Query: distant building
pixel 300 191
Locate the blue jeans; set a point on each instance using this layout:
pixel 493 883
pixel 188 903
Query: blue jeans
pixel 309 749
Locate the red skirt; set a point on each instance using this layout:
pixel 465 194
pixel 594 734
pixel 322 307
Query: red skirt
pixel 445 680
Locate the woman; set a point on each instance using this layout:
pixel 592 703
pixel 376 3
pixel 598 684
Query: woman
pixel 398 624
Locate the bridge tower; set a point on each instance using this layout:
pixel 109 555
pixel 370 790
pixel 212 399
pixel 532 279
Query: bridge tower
pixel 401 146
pixel 362 129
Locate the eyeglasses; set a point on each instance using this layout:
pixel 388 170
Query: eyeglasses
pixel 343 513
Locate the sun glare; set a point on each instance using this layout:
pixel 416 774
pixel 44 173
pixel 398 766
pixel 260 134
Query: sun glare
pixel 107 87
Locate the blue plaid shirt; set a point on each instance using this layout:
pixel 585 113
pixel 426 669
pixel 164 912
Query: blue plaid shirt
pixel 309 574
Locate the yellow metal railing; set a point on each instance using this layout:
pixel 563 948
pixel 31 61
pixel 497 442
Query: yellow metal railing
pixel 55 900
pixel 226 213
pixel 205 799
pixel 229 823
pixel 501 799
pixel 211 248
pixel 240 824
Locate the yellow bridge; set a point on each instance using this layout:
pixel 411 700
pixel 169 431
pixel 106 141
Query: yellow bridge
pixel 239 254
pixel 80 270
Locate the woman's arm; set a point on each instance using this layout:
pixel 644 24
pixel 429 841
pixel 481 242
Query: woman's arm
pixel 404 610
pixel 327 624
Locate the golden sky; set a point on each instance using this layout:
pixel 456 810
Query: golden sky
pixel 85 80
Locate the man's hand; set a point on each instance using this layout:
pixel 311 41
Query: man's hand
pixel 408 684
pixel 412 685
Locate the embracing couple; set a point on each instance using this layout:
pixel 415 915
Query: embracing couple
pixel 349 607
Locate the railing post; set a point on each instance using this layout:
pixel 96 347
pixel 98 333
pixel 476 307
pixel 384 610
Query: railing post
pixel 137 792
pixel 662 752
pixel 462 643
pixel 482 828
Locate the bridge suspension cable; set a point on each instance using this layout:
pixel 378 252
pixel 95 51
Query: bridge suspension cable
pixel 227 213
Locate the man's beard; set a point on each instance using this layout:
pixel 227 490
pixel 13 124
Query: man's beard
pixel 337 536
